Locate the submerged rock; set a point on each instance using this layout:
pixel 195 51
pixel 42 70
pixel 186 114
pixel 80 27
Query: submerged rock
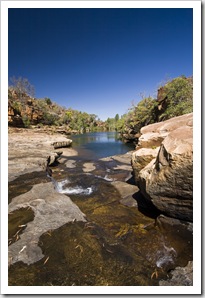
pixel 181 276
pixel 88 167
pixel 126 192
pixel 51 211
pixel 165 175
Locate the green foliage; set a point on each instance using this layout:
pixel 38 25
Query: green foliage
pixel 50 118
pixel 26 121
pixel 79 121
pixel 114 124
pixel 110 124
pixel 176 98
pixel 178 95
pixel 17 106
pixel 48 101
pixel 41 104
pixel 117 117
pixel 49 112
pixel 142 114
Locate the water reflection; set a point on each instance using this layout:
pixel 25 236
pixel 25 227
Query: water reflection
pixel 100 144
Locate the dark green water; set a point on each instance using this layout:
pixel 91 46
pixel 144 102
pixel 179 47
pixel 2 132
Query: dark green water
pixel 117 246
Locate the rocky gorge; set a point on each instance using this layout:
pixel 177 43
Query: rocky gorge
pixel 132 214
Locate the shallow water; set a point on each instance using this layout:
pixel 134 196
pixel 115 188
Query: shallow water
pixel 118 245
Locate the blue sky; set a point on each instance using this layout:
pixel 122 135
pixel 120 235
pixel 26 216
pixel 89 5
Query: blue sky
pixel 99 60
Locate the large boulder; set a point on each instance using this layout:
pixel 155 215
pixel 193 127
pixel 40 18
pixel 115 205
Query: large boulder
pixel 165 174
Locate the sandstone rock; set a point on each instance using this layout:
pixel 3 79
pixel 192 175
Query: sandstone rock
pixel 18 110
pixel 169 125
pixel 181 276
pixel 53 157
pixel 62 144
pixel 165 222
pixel 167 179
pixel 29 149
pixel 150 140
pixel 14 119
pixel 70 164
pixel 126 192
pixel 141 158
pixel 88 167
pixel 122 158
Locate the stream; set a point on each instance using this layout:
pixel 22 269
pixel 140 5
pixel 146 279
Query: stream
pixel 120 243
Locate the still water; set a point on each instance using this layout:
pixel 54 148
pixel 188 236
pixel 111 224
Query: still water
pixel 96 145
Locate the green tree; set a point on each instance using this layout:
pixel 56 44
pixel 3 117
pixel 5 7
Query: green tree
pixel 48 101
pixel 142 114
pixel 178 98
pixel 139 115
pixel 26 121
pixel 117 117
pixel 50 118
pixel 110 124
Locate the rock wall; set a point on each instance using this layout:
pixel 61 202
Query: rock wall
pixel 14 118
pixel 163 166
pixel 19 110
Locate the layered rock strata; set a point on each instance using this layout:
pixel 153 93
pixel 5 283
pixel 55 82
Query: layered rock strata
pixel 30 151
pixel 163 166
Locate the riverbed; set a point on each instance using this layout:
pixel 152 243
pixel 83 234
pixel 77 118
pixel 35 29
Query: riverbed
pixel 114 240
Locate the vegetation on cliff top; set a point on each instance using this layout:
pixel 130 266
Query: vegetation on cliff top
pixel 25 111
pixel 173 99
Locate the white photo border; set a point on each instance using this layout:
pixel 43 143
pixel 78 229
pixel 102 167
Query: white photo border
pixel 121 290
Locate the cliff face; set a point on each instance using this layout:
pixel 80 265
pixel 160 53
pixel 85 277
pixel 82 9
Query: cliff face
pixel 163 166
pixel 23 111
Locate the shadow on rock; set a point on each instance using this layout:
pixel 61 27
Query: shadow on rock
pixel 145 206
pixel 131 180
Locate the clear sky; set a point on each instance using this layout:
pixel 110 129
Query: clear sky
pixel 99 60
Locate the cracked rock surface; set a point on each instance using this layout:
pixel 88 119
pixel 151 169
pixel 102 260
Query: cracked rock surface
pixel 164 173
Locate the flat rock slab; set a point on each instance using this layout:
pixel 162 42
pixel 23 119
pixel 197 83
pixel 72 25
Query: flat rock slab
pixel 88 167
pixel 62 144
pixel 29 149
pixel 71 164
pixel 123 158
pixel 126 192
pixel 51 210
